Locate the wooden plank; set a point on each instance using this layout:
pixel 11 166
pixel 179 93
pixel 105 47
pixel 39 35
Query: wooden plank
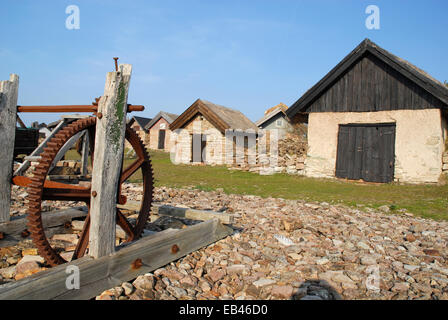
pixel 21 123
pixel 358 152
pixel 372 86
pixel 351 149
pixel 50 219
pixel 13 240
pixel 75 116
pixel 193 214
pixel 109 147
pixel 97 275
pixel 33 158
pixel 26 164
pixel 67 146
pixel 342 152
pixel 85 154
pixel 9 91
pixel 187 213
pixel 426 93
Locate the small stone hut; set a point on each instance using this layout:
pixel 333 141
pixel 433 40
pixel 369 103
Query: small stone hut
pixel 139 124
pixel 159 134
pixel 201 133
pixel 375 117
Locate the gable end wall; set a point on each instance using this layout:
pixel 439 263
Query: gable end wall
pixel 419 142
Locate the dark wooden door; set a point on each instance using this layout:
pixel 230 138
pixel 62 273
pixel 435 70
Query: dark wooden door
pixel 198 144
pixel 366 152
pixel 161 139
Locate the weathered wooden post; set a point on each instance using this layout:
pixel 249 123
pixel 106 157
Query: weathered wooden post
pixel 109 145
pixel 85 154
pixel 9 91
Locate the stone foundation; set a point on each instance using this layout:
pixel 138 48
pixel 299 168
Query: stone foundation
pixel 445 162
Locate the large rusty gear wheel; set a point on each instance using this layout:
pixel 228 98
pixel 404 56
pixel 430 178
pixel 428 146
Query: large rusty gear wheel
pixel 40 189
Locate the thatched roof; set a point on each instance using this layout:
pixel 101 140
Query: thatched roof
pixel 405 68
pixel 281 106
pixel 221 117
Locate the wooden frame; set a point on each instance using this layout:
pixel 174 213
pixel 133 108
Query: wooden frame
pixel 193 214
pixel 51 220
pixel 105 268
pixel 9 91
pixel 97 275
pixel 109 142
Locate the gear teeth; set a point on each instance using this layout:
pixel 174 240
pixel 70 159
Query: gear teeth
pixel 134 139
pixel 35 188
pixel 40 171
pixel 34 205
pixel 52 144
pixel 34 197
pixel 46 156
pixel 50 149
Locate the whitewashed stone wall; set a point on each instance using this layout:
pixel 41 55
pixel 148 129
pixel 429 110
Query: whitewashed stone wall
pixel 419 142
pixel 181 142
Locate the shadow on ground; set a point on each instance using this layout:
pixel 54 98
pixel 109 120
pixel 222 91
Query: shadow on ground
pixel 316 290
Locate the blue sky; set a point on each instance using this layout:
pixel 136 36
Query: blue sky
pixel 248 55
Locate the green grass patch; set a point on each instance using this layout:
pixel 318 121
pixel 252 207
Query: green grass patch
pixel 429 201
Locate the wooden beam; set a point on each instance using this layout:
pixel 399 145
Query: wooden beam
pixel 85 154
pixel 109 148
pixel 10 241
pixel 193 214
pixel 12 229
pixel 67 146
pixel 97 275
pixel 21 123
pixel 33 158
pixel 26 164
pixel 9 91
pixel 187 213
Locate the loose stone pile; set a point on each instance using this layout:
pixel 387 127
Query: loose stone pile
pixel 336 253
pixel 283 249
pixel 291 155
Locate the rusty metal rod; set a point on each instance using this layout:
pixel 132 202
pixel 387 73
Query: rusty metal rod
pixel 71 108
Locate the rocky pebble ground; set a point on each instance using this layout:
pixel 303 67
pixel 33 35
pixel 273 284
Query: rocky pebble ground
pixel 283 249
pixel 290 249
